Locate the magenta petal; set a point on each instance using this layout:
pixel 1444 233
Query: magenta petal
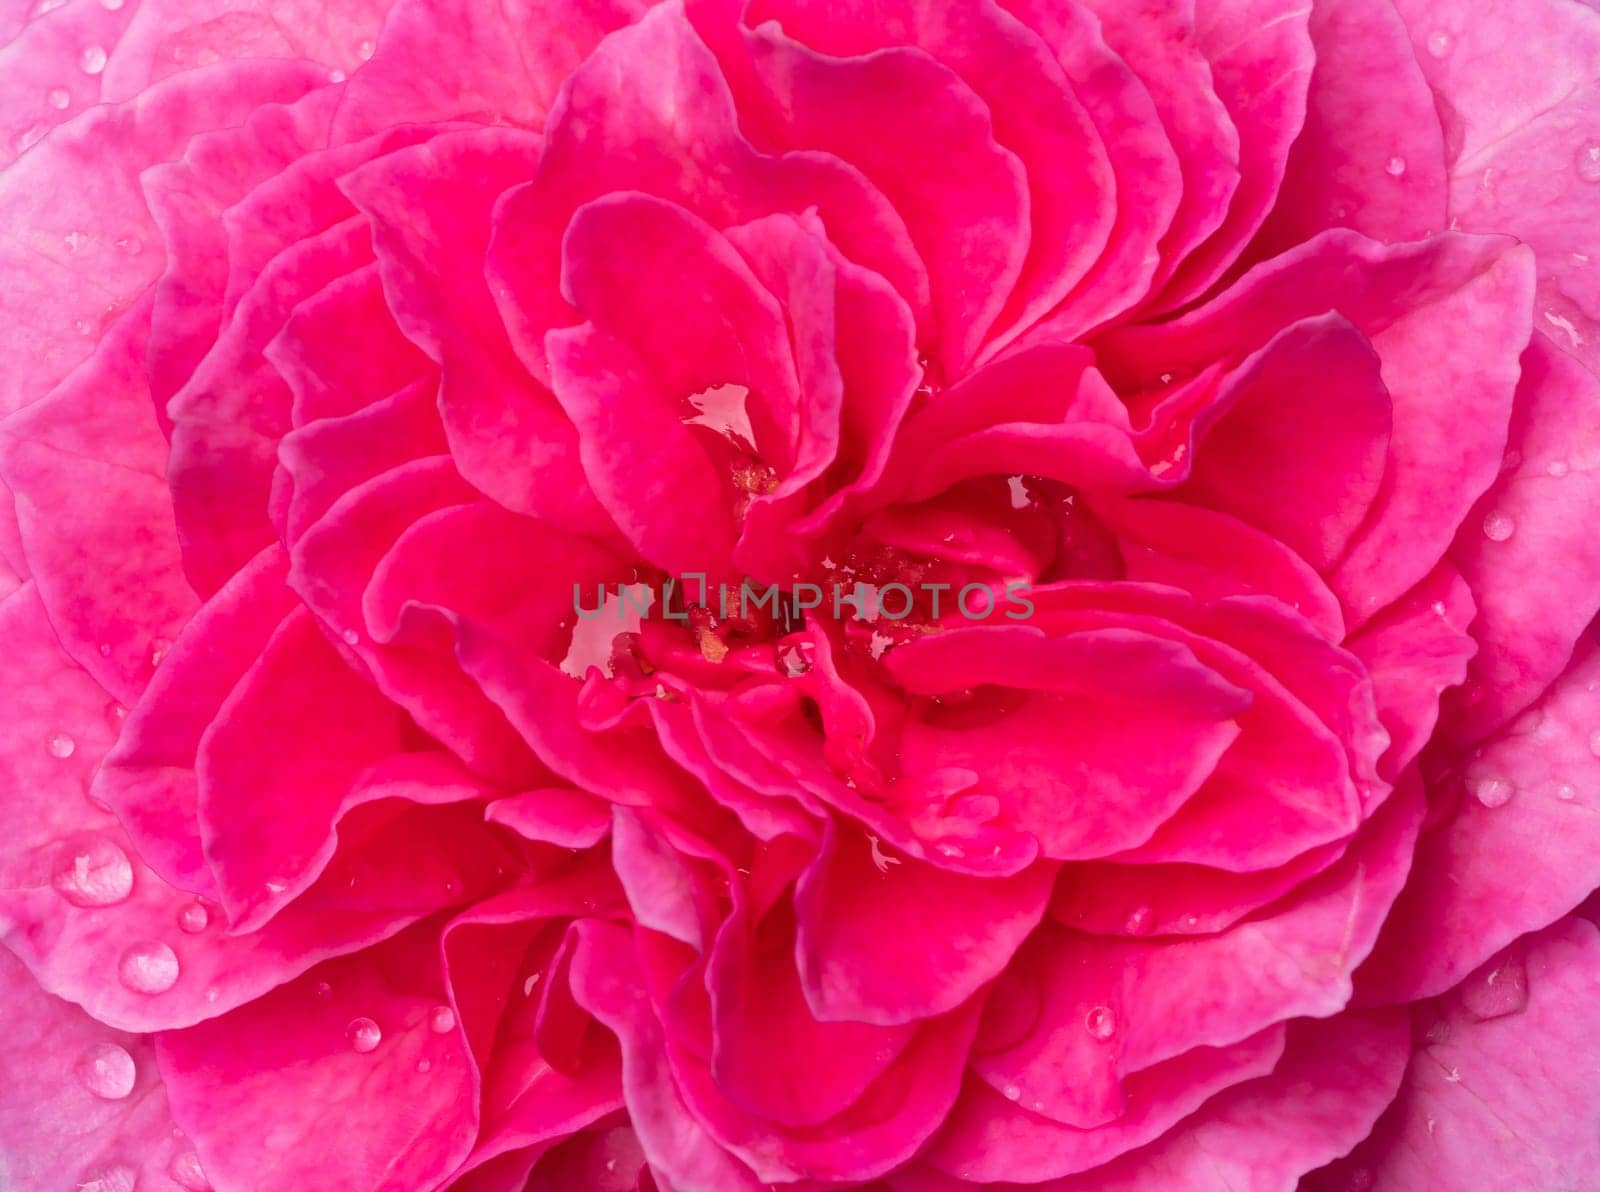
pixel 968 222
pixel 1416 650
pixel 268 807
pixel 606 981
pixel 502 65
pixel 1372 155
pixel 994 1136
pixel 1100 788
pixel 905 941
pixel 344 1040
pixel 676 137
pixel 1261 61
pixel 1537 590
pixel 1521 154
pixel 168 36
pixel 86 1102
pixel 87 469
pixel 568 818
pixel 498 419
pixel 759 1011
pixel 1493 868
pixel 148 778
pixel 1472 1102
pixel 1301 440
pixel 54 298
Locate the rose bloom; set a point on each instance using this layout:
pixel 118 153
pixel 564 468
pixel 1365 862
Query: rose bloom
pixel 359 830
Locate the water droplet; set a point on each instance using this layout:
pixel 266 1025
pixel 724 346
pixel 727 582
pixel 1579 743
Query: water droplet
pixel 158 650
pixel 1395 167
pixel 185 1170
pixel 115 715
pixel 527 985
pixel 1012 1092
pixel 131 245
pixel 107 1071
pixel 337 76
pixel 59 98
pixel 365 50
pixel 94 873
pixel 1556 467
pixel 442 1020
pixel 45 6
pixel 1493 792
pixel 1566 792
pixel 74 241
pixel 194 918
pixel 112 5
pixel 93 60
pixel 1140 920
pixel 114 1177
pixel 1589 162
pixel 61 745
pixel 351 637
pixel 324 990
pixel 424 1065
pixel 1594 744
pixel 1497 527
pixel 1439 43
pixel 150 967
pixel 1101 1022
pixel 364 1034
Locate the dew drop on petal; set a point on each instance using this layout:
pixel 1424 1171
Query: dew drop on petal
pixel 337 76
pixel 59 98
pixel 1395 167
pixel 107 1071
pixel 150 967
pixel 194 918
pixel 186 1172
pixel 1012 1093
pixel 1497 527
pixel 1566 792
pixel 1589 162
pixel 365 50
pixel 364 1034
pixel 61 745
pixel 1493 792
pixel 94 873
pixel 442 1020
pixel 1439 43
pixel 93 59
pixel 324 990
pixel 1556 467
pixel 158 651
pixel 424 1065
pixel 112 5
pixel 1140 920
pixel 1101 1022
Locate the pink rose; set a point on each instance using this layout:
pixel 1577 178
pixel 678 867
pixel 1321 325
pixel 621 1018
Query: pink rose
pixel 700 597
